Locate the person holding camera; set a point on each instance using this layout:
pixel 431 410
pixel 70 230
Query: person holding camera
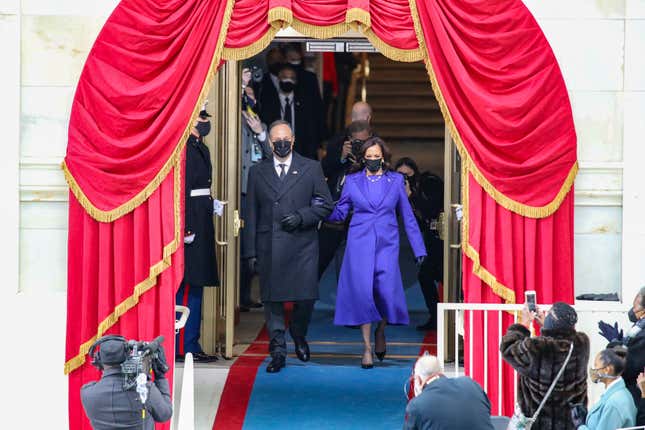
pixel 255 148
pixel 425 192
pixel 109 405
pixel 538 361
pixel 615 409
pixel 333 235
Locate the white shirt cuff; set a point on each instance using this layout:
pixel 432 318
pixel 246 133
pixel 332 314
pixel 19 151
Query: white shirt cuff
pixel 262 136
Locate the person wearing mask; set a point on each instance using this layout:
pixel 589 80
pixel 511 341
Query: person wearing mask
pixel 438 400
pixel 308 85
pixel 255 148
pixel 286 199
pixel 634 340
pixel 108 405
pixel 200 264
pixel 370 289
pixel 539 359
pixel 289 104
pixel 333 235
pixel 426 198
pixel 615 409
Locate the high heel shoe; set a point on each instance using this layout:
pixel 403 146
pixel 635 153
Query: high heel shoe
pixel 366 365
pixel 380 355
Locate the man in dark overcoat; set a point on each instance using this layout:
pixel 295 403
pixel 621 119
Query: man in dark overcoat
pixel 287 197
pixel 200 265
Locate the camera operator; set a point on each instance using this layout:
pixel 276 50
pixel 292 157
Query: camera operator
pixel 634 340
pixel 332 235
pixel 109 405
pixel 255 148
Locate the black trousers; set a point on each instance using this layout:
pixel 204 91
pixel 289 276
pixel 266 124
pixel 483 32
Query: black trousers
pixel 329 240
pixel 298 325
pixel 430 274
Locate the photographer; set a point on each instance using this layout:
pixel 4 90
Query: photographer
pixel 107 402
pixel 255 148
pixel 332 235
pixel 425 192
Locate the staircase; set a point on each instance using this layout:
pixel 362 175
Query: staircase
pixel 406 113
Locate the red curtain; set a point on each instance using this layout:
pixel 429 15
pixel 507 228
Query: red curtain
pixel 494 74
pixel 143 82
pixel 507 107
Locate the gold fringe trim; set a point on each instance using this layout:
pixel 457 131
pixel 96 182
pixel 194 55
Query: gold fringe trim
pixel 396 54
pixel 127 207
pixel 254 48
pixel 168 250
pixel 506 293
pixel 504 201
pixel 140 288
pixel 280 17
pixel 320 32
pixel 357 14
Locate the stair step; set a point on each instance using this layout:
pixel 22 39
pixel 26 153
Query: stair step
pixel 410 103
pixel 387 75
pixel 433 117
pixel 404 132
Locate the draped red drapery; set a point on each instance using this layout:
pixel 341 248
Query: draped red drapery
pixel 494 74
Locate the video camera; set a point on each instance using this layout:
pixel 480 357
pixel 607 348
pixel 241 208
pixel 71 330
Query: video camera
pixel 136 358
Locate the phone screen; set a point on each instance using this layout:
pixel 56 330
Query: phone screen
pixel 530 300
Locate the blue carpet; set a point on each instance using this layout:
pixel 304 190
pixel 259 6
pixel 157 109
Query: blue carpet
pixel 332 391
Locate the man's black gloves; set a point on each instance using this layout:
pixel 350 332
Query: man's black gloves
pixel 252 265
pixel 291 222
pixel 420 260
pixel 578 414
pixel 159 364
pixel 611 333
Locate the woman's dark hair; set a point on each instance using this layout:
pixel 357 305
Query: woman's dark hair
pixel 372 141
pixel 407 161
pixel 615 358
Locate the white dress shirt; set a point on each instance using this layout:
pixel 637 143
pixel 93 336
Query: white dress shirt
pixel 283 101
pixel 287 163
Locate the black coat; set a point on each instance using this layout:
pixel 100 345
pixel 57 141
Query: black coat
pixel 200 266
pixel 634 364
pixel 440 406
pixel 287 261
pixel 537 361
pixel 333 168
pixel 310 121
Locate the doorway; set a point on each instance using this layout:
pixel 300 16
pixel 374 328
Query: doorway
pixel 405 114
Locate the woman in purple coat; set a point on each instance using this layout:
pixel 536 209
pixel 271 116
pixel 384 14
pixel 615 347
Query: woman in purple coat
pixel 370 289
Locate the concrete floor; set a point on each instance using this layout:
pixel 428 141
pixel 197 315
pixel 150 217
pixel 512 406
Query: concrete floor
pixel 210 378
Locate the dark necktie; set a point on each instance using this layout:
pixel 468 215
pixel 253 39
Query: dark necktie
pixel 283 172
pixel 287 111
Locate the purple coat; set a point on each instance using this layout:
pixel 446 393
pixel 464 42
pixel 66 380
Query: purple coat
pixel 370 286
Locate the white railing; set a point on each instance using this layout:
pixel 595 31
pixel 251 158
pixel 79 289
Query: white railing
pixel 492 312
pixel 186 404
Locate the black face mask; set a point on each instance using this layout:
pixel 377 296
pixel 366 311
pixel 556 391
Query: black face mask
pixel 373 165
pixel 203 128
pixel 287 86
pixel 274 68
pixel 632 315
pixel 282 148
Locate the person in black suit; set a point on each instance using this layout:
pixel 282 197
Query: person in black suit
pixel 439 401
pixel 286 199
pixel 200 267
pixel 290 103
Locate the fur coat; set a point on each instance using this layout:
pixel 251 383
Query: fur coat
pixel 537 361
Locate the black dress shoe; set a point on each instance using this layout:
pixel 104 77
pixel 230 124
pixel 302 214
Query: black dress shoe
pixel 277 363
pixel 302 349
pixel 202 357
pixel 179 358
pixel 254 305
pixel 244 308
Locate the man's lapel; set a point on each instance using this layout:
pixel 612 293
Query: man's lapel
pixel 267 170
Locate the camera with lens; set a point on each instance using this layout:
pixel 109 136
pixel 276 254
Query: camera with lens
pixel 357 145
pixel 256 74
pixel 135 358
